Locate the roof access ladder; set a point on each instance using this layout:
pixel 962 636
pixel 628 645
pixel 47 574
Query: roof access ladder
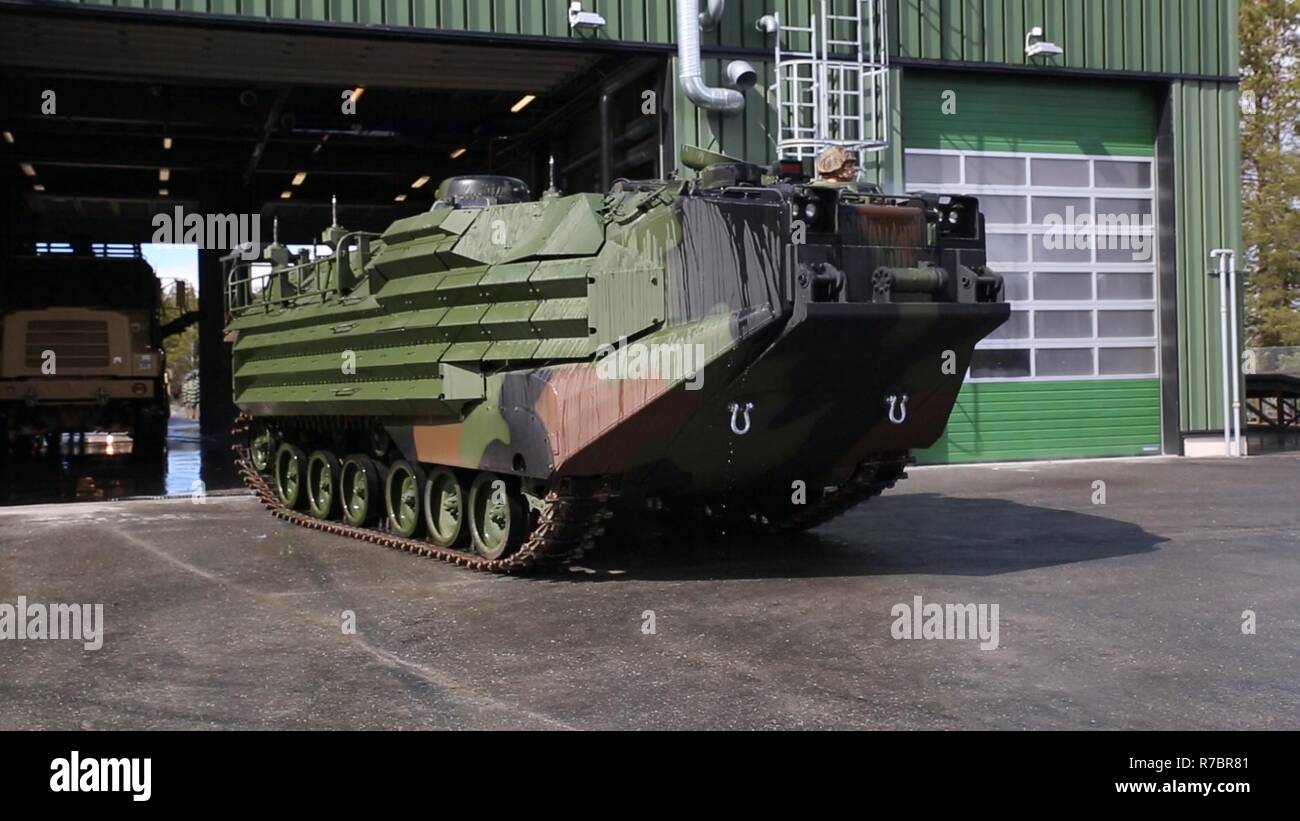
pixel 832 79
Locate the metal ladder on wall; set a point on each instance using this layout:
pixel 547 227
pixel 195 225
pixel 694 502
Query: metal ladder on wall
pixel 832 79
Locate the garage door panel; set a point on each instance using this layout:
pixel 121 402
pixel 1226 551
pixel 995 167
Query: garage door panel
pixel 1070 224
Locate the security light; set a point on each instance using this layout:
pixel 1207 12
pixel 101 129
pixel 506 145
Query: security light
pixel 1036 46
pixel 584 20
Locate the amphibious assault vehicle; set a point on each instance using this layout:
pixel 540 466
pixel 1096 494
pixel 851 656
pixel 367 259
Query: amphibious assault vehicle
pixel 481 381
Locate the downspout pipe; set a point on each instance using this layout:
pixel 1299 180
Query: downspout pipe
pixel 1237 449
pixel 1221 255
pixel 691 76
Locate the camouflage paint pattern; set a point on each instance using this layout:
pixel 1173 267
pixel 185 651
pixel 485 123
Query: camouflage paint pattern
pixel 476 333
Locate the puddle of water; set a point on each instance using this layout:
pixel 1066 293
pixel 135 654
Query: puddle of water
pixel 99 467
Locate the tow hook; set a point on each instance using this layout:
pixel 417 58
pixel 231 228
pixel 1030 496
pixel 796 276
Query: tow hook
pixel 738 410
pixel 897 408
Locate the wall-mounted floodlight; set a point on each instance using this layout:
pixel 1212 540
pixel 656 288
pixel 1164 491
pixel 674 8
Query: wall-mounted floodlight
pixel 584 20
pixel 1036 46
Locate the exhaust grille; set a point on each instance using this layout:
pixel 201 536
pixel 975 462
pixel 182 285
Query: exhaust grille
pixel 77 343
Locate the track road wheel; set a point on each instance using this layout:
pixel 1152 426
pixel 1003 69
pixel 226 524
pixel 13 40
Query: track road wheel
pixel 323 484
pixel 359 490
pixel 497 517
pixel 403 495
pixel 290 470
pixel 444 509
pixel 261 448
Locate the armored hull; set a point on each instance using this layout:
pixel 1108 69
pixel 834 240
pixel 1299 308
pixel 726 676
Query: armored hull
pixel 485 377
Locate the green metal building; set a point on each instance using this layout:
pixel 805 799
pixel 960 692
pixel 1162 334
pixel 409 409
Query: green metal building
pixel 1134 112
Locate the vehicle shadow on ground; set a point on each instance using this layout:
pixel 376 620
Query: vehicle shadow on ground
pixel 921 533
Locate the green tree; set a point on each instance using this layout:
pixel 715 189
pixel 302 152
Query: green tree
pixel 1270 147
pixel 182 348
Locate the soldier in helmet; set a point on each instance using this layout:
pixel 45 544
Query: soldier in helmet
pixel 835 165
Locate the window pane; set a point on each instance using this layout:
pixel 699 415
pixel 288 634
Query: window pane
pixel 1059 207
pixel 1126 286
pixel 1017 327
pixel 1063 286
pixel 1062 246
pixel 1015 287
pixel 1063 362
pixel 999 364
pixel 927 168
pixel 1122 174
pixel 1009 210
pixel 1062 324
pixel 1126 323
pixel 1130 361
pixel 1060 173
pixel 1126 249
pixel 1006 248
pixel 1137 211
pixel 995 171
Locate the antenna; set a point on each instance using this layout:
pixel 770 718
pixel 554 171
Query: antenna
pixel 334 210
pixel 551 192
pixel 275 230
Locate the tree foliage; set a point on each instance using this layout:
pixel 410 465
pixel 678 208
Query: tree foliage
pixel 1270 147
pixel 182 348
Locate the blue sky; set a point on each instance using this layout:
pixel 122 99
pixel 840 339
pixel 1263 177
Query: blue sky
pixel 173 261
pixel 182 261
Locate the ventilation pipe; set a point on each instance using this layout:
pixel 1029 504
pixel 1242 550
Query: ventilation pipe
pixel 689 20
pixel 711 16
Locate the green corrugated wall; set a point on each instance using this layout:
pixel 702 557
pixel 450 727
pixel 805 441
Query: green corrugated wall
pixel 1028 114
pixel 1178 36
pixel 1175 36
pixel 1007 421
pixel 1207 192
